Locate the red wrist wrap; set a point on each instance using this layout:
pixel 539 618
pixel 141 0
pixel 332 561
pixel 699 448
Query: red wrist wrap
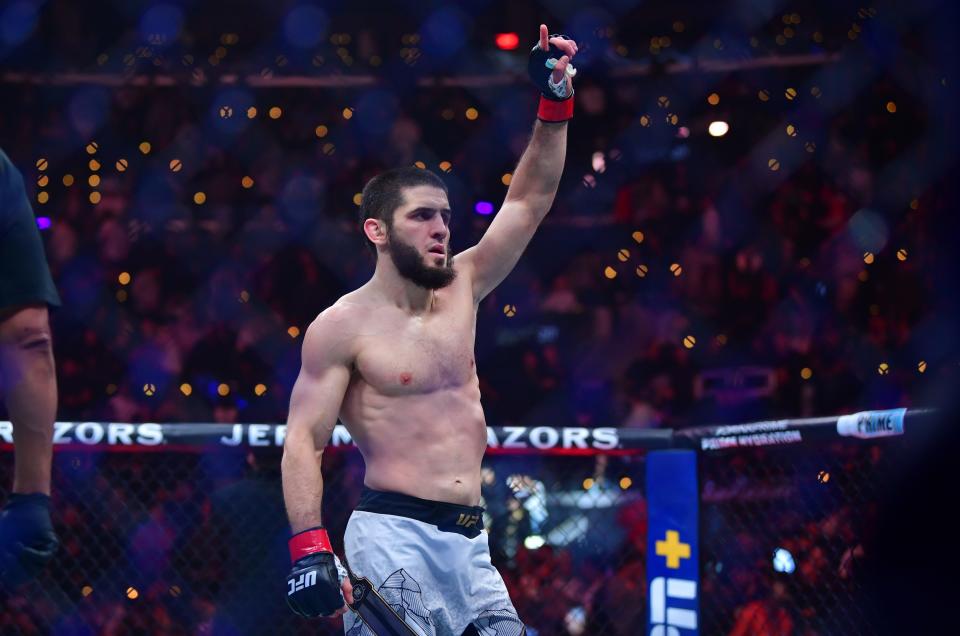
pixel 555 111
pixel 308 542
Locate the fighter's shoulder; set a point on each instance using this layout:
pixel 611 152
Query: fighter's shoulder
pixel 334 330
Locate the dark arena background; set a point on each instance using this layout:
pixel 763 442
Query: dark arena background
pixel 750 263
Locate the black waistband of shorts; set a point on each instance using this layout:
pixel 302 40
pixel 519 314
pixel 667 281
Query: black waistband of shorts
pixel 449 517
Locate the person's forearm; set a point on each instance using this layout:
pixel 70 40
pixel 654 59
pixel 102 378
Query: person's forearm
pixel 537 177
pixel 27 370
pixel 302 481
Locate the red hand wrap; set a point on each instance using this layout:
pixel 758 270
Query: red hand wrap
pixel 308 542
pixel 554 111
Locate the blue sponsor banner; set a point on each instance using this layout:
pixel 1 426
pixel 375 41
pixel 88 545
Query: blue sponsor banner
pixel 673 565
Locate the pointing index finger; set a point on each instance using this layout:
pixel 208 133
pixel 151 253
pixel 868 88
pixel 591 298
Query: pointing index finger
pixel 544 43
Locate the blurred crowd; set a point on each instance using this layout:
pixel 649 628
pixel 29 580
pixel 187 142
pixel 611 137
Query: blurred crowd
pixel 677 281
pixel 795 266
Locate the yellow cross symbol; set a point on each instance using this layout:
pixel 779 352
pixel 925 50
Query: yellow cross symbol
pixel 673 549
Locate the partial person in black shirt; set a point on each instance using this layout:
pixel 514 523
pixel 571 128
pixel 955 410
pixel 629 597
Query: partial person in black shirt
pixel 28 383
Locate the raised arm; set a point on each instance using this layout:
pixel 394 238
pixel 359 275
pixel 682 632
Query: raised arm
pixel 532 188
pixel 316 585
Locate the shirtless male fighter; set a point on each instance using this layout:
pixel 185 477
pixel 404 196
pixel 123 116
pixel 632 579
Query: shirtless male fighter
pixel 28 384
pixel 394 361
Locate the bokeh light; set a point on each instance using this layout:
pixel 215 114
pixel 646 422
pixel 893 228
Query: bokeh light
pixel 164 20
pixel 507 41
pixel 718 128
pixel 17 22
pixel 483 207
pixel 444 32
pixel 305 26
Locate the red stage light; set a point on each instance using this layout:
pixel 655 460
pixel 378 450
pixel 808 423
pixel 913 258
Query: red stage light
pixel 507 41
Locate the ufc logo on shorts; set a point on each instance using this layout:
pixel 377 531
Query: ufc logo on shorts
pixel 304 580
pixel 668 621
pixel 467 521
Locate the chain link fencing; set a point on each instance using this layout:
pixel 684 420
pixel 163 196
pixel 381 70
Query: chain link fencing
pixel 786 533
pixel 161 542
pixel 195 542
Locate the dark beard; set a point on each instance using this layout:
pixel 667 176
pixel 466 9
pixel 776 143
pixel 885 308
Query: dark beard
pixel 410 265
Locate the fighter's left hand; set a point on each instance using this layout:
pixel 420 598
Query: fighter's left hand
pixel 569 48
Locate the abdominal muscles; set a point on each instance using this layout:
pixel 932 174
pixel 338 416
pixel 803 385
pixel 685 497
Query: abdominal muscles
pixel 426 444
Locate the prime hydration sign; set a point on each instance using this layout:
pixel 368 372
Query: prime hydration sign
pixel 872 424
pixel 673 571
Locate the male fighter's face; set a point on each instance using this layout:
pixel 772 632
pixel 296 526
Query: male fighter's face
pixel 419 238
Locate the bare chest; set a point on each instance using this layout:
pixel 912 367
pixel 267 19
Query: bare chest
pixel 417 355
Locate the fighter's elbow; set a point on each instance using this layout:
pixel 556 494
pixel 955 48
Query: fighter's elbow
pixel 298 440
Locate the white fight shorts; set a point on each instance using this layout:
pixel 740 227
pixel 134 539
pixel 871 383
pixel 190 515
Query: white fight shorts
pixel 430 561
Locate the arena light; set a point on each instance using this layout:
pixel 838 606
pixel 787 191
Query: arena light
pixel 598 162
pixel 507 41
pixel 43 223
pixel 718 128
pixel 533 542
pixel 783 561
pixel 483 207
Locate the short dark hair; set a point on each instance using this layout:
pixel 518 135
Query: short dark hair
pixel 383 194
